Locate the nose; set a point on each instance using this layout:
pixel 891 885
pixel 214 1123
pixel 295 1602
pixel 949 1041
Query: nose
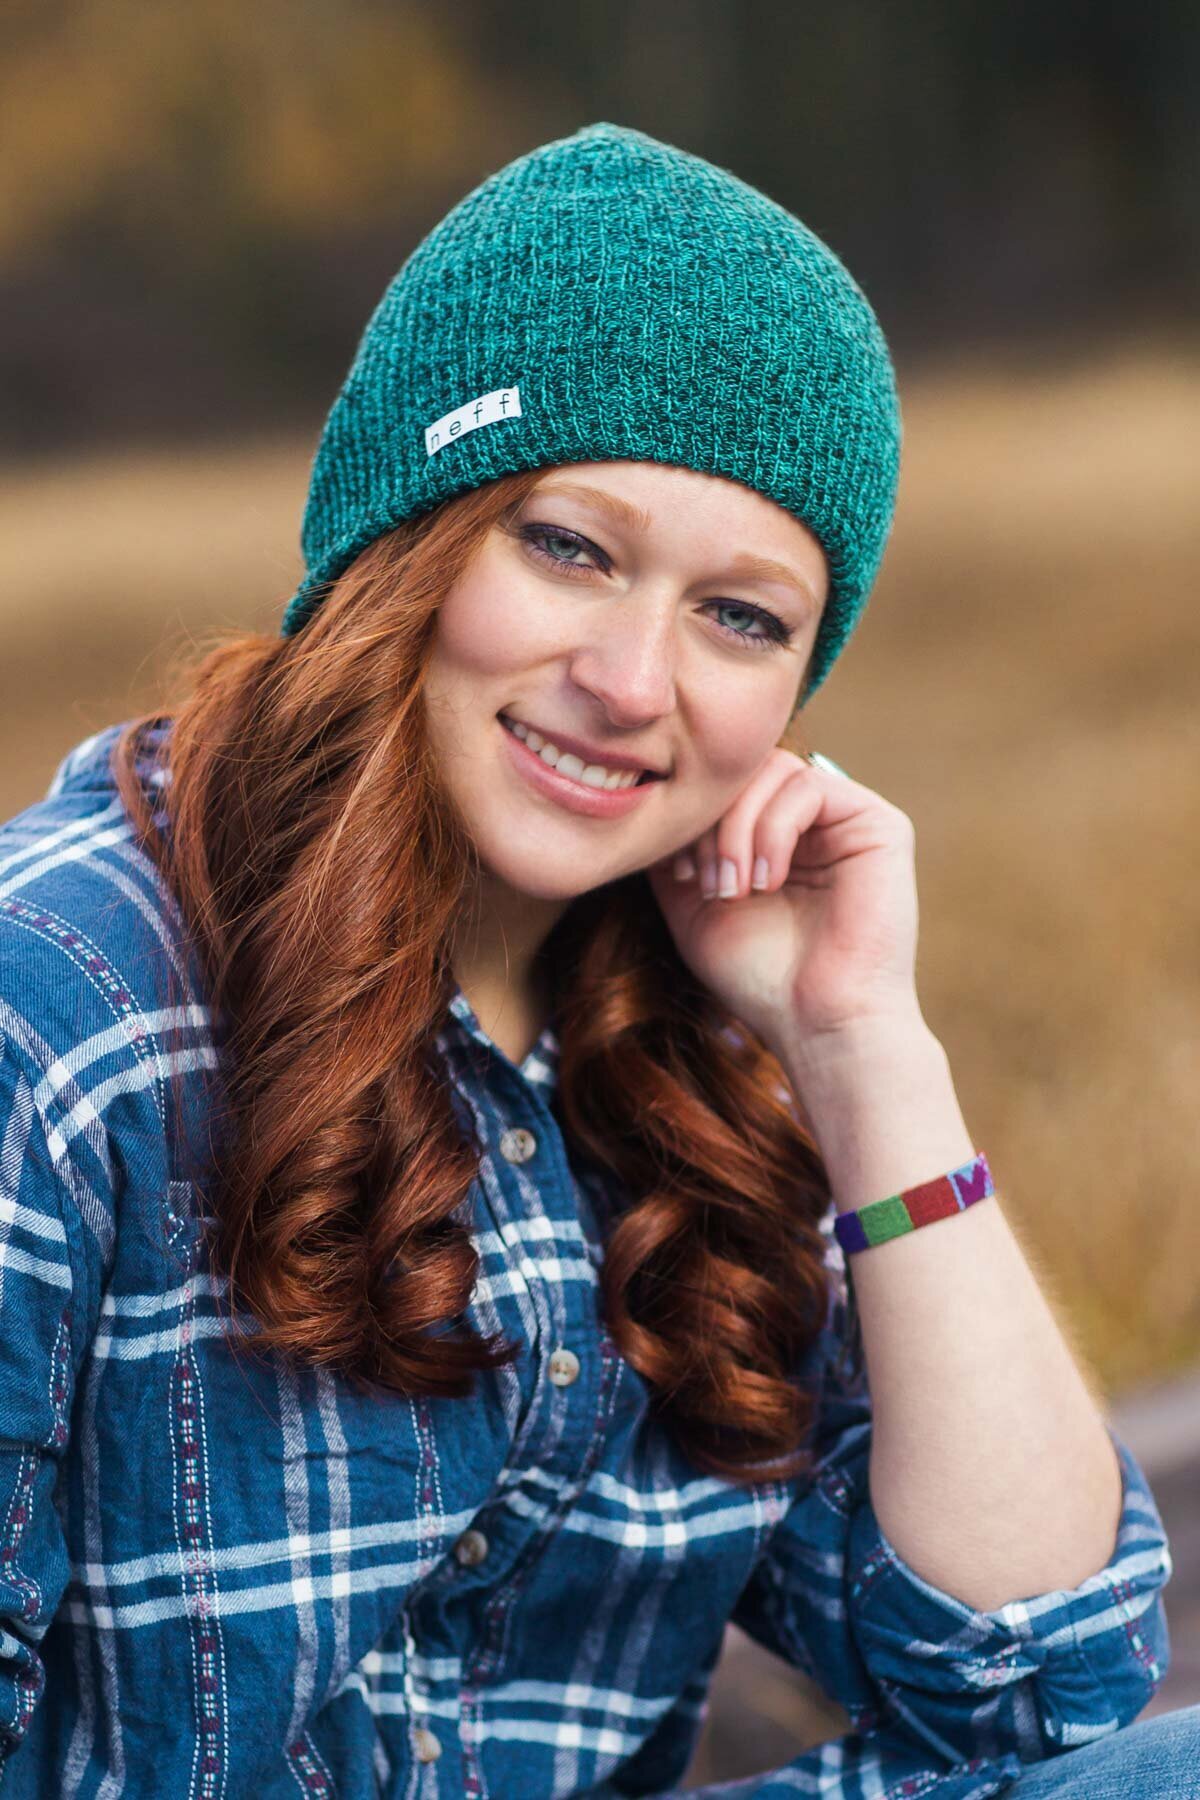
pixel 628 662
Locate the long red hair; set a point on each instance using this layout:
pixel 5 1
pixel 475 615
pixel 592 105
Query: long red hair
pixel 319 866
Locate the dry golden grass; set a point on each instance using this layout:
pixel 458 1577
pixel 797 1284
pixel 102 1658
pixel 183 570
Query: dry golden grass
pixel 1023 683
pixel 1027 689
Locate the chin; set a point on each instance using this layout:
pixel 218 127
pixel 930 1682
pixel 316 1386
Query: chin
pixel 545 878
pixel 539 874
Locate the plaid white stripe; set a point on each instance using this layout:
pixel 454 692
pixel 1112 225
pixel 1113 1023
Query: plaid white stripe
pixel 228 1577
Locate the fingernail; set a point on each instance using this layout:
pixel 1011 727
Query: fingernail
pixel 708 878
pixel 759 877
pixel 729 878
pixel 685 868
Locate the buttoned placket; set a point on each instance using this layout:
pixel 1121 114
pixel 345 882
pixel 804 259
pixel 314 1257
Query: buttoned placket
pixel 570 1392
pixel 519 1145
pixel 426 1744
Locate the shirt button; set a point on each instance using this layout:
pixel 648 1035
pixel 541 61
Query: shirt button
pixel 564 1368
pixel 471 1548
pixel 427 1746
pixel 517 1146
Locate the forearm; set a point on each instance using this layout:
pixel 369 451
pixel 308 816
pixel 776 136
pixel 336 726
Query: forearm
pixel 990 1469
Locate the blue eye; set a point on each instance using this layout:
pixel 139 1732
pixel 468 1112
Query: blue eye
pixel 537 536
pixel 778 634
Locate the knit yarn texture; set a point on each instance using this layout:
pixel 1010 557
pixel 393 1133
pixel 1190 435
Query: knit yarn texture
pixel 608 296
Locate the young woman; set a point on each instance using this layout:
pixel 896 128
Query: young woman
pixel 453 1058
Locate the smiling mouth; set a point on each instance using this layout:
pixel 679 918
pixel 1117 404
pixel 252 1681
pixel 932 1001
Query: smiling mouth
pixel 643 780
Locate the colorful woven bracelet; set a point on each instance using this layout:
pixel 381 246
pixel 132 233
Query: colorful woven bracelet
pixel 916 1206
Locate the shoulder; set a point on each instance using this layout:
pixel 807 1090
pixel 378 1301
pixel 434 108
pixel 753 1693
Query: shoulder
pixel 98 998
pixel 81 903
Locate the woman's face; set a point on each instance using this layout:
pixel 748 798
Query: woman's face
pixel 633 621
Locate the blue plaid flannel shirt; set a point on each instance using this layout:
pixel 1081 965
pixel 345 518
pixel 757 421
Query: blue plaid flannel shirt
pixel 227 1580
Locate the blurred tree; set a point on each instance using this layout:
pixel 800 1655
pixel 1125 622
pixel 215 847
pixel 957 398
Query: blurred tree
pixel 199 206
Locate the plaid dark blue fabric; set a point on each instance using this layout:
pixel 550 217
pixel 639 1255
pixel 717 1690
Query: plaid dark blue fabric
pixel 226 1577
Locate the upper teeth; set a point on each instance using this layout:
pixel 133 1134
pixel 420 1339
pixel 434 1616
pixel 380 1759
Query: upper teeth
pixel 590 774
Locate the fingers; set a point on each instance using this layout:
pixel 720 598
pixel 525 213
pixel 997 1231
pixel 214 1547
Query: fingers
pixel 755 854
pixel 718 854
pixel 726 854
pixel 750 849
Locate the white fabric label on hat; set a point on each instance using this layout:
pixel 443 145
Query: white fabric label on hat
pixel 503 403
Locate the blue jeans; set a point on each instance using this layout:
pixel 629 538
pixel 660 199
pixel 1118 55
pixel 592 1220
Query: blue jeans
pixel 1152 1759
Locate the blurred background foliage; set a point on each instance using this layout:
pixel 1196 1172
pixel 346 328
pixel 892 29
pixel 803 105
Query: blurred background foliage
pixel 197 202
pixel 201 205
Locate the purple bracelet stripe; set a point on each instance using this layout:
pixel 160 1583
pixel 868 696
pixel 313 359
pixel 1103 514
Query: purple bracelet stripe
pixel 914 1207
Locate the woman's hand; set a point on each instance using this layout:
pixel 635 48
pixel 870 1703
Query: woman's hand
pixel 828 946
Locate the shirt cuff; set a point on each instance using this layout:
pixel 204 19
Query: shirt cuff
pixel 1035 1676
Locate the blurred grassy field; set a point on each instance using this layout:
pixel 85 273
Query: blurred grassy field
pixel 1025 683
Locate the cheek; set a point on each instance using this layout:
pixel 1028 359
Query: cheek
pixel 721 763
pixel 488 629
pixel 734 739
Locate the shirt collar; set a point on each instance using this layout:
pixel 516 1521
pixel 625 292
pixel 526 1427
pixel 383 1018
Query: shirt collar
pixel 540 1065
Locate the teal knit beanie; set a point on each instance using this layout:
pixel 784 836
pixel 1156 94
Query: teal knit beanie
pixel 608 296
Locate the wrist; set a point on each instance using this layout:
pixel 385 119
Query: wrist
pixel 861 1051
pixel 883 1111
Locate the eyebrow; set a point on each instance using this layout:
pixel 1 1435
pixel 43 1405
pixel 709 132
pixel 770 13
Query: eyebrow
pixel 623 513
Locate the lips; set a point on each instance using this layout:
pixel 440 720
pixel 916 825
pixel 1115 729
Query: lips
pixel 576 796
pixel 571 747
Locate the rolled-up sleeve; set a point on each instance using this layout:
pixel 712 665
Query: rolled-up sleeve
pixel 1029 1679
